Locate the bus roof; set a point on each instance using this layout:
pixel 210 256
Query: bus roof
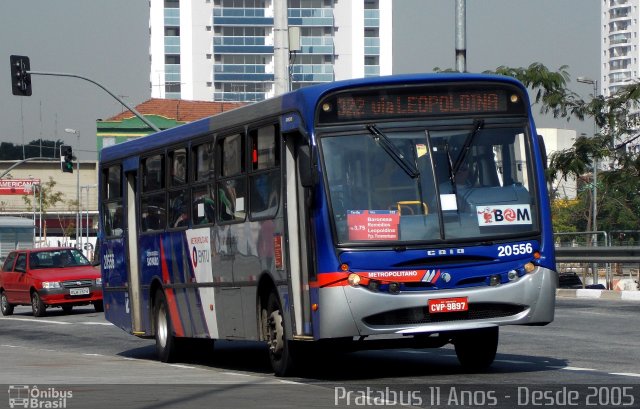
pixel 303 100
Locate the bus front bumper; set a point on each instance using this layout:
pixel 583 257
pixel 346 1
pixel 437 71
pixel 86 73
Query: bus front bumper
pixel 356 311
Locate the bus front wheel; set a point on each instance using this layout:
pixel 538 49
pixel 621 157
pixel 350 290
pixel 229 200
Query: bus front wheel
pixel 476 349
pixel 165 341
pixel 280 348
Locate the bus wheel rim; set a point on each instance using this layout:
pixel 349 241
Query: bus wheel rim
pixel 276 333
pixel 162 327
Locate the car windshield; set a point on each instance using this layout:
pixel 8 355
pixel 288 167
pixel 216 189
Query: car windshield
pixel 432 185
pixel 57 259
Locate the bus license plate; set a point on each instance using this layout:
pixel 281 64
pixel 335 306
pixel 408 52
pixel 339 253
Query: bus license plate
pixel 457 304
pixel 79 291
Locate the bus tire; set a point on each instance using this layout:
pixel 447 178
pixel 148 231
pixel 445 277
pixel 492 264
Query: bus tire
pixel 5 306
pixel 280 348
pixel 476 349
pixel 165 341
pixel 37 306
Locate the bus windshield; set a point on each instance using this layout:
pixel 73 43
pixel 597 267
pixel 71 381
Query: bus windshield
pixel 432 185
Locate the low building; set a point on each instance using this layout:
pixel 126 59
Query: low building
pixel 78 192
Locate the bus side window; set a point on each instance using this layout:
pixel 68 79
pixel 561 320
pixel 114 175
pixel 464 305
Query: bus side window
pixel 264 180
pixel 112 218
pixel 232 189
pixel 153 201
pixel 204 206
pixel 203 196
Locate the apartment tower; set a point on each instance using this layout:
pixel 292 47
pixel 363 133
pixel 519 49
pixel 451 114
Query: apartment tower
pixel 619 57
pixel 222 50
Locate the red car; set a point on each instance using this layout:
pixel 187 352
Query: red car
pixel 49 277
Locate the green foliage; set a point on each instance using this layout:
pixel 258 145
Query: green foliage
pixel 50 197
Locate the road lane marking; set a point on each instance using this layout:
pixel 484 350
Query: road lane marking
pixel 45 321
pixel 182 366
pixel 39 320
pixel 95 323
pixel 635 375
pixel 507 361
pixel 574 368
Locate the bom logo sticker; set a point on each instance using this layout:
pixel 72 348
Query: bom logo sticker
pixel 505 215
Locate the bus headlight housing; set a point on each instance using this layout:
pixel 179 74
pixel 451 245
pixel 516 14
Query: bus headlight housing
pixel 354 280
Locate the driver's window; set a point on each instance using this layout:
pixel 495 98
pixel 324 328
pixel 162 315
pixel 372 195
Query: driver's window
pixel 21 263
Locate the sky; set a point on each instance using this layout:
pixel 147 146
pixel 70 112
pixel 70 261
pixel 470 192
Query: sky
pixel 108 41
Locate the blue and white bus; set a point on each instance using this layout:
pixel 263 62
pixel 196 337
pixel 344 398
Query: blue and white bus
pixel 404 208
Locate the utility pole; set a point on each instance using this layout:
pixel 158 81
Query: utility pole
pixel 78 231
pixel 280 47
pixel 461 36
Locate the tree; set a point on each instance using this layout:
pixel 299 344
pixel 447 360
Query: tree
pixel 616 143
pixel 50 197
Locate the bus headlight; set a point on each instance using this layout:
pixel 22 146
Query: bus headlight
pixel 529 267
pixel 354 280
pixel 512 274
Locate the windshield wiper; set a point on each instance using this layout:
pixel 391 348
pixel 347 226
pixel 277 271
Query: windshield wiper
pixel 477 125
pixel 452 174
pixel 395 154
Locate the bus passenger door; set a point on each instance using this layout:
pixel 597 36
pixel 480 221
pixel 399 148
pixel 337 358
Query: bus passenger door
pixel 133 268
pixel 299 250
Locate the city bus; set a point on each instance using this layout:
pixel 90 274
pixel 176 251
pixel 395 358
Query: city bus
pixel 399 211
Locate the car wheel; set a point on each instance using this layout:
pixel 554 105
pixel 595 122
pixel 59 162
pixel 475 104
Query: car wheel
pixel 37 306
pixel 67 308
pixel 165 340
pixel 98 306
pixel 5 307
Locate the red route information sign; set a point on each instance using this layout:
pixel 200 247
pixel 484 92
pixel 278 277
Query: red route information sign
pixel 365 225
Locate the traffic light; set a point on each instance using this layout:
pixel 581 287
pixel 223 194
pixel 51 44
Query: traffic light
pixel 66 158
pixel 20 78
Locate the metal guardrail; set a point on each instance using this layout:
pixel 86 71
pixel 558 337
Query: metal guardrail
pixel 618 254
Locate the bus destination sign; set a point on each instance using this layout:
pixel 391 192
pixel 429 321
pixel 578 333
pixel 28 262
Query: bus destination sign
pixel 418 102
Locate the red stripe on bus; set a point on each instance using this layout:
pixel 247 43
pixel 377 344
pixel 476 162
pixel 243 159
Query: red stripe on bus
pixel 338 279
pixel 170 295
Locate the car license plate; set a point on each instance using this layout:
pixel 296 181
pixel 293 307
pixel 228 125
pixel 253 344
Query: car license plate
pixel 457 304
pixel 79 291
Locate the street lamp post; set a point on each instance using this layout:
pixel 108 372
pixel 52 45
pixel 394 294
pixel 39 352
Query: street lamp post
pixel 78 236
pixel 594 199
pixel 33 189
pixel 87 220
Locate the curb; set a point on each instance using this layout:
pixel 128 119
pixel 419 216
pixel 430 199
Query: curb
pixel 603 294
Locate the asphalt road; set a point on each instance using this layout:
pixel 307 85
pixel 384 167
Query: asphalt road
pixel 588 355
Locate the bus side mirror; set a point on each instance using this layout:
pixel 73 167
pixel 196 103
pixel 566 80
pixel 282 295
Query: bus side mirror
pixel 306 168
pixel 543 149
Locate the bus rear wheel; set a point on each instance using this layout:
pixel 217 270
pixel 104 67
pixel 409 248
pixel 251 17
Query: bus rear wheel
pixel 280 348
pixel 476 349
pixel 165 341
